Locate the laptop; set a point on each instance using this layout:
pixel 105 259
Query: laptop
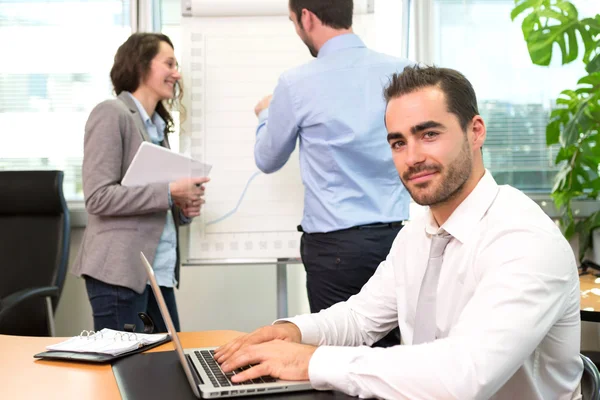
pixel 204 374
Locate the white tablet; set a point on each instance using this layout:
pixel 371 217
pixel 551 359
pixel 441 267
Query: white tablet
pixel 157 164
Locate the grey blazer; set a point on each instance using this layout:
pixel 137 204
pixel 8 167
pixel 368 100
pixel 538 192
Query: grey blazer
pixel 122 221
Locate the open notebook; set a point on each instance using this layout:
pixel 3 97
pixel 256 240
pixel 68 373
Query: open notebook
pixel 102 346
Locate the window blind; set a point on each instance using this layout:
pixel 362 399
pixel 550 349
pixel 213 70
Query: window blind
pixel 478 38
pixel 55 69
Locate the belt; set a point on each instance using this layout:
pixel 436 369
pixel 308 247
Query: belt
pixel 379 225
pixel 396 224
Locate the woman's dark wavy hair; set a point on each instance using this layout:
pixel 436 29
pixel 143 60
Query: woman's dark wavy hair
pixel 132 65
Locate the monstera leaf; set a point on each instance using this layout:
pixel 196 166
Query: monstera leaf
pixel 577 113
pixel 594 65
pixel 552 22
pixel 574 123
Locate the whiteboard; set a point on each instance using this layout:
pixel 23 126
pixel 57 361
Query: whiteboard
pixel 246 8
pixel 229 64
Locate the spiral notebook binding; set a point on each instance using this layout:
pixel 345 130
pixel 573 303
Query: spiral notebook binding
pixel 122 336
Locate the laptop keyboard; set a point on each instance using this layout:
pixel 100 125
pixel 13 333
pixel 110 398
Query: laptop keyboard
pixel 220 379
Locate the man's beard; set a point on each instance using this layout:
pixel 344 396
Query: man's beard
pixel 458 172
pixel 311 47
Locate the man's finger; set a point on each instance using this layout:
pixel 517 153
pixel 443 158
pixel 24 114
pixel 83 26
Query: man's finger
pixel 228 350
pixel 251 373
pixel 245 356
pixel 223 349
pixel 237 345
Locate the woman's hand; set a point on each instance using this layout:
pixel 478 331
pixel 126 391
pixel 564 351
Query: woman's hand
pixel 187 194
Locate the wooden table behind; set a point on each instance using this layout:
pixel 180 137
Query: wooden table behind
pixel 23 377
pixel 590 292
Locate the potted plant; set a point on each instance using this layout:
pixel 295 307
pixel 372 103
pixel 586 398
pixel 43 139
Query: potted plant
pixel 574 124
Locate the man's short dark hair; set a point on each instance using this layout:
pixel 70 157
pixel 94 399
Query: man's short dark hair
pixel 460 96
pixel 336 14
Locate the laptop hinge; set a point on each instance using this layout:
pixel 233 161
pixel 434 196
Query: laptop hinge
pixel 195 374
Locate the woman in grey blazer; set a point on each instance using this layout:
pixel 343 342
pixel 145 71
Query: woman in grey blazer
pixel 122 221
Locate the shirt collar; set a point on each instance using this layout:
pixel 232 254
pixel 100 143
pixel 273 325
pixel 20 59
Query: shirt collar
pixel 340 42
pixel 156 118
pixel 463 221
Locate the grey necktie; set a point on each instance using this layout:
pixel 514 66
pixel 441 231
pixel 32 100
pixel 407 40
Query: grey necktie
pixel 425 323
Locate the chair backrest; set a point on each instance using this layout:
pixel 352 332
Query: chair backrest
pixel 590 380
pixel 34 244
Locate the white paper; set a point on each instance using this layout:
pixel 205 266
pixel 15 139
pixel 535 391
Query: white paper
pixel 157 164
pixel 107 341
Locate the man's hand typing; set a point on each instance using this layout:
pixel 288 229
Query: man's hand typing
pixel 285 331
pixel 276 358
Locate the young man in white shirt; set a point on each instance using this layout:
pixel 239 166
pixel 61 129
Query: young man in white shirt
pixel 501 317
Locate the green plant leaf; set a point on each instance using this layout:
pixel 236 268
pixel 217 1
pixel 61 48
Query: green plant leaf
pixel 593 79
pixel 553 132
pixel 550 22
pixel 585 228
pixel 583 239
pixel 594 64
pixel 564 153
pixel 572 130
pixel 595 184
pixel 570 230
pixel 593 23
pixel 574 122
pixel 592 166
pixel 524 5
pixel 561 179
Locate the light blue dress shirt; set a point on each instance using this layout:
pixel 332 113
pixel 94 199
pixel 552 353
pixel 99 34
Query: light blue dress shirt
pixel 334 106
pixel 166 252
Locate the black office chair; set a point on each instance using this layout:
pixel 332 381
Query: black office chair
pixel 34 250
pixel 590 381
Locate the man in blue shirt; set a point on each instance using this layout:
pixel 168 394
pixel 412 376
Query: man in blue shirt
pixel 354 201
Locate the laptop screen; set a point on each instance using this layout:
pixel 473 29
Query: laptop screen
pixel 170 327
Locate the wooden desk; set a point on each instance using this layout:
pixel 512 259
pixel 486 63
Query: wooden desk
pixel 23 377
pixel 590 297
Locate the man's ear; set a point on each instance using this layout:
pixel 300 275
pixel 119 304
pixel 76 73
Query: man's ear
pixel 479 131
pixel 308 20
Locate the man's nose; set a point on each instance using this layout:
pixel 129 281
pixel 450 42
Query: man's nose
pixel 414 154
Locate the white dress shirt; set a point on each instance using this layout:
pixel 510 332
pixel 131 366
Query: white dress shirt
pixel 508 324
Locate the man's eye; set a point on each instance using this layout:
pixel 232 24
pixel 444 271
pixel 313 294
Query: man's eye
pixel 398 144
pixel 430 134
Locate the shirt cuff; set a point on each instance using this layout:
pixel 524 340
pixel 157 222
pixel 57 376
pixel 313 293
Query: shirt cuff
pixel 328 368
pixel 183 219
pixel 263 116
pixel 170 200
pixel 309 330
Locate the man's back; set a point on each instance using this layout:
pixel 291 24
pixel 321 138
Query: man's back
pixel 337 105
